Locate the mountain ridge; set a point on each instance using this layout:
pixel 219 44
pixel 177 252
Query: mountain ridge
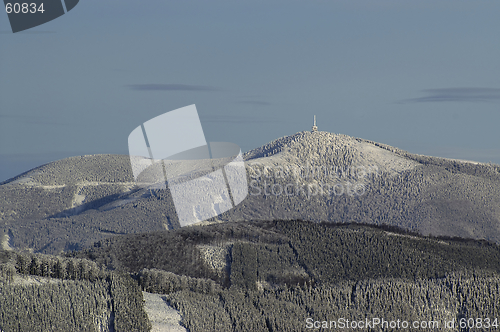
pixel 72 203
pixel 123 174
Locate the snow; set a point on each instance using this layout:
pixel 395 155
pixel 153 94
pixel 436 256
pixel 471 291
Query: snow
pixel 5 242
pixel 163 317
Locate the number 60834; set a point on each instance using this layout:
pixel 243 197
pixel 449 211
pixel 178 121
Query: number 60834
pixel 23 8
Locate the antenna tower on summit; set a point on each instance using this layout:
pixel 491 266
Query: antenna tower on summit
pixel 314 128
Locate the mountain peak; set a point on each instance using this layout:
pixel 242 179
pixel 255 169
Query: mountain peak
pixel 298 141
pixel 332 150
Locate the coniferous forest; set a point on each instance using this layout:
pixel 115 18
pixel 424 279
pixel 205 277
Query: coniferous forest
pixel 254 276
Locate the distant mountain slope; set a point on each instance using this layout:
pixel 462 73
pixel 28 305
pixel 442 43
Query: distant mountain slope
pixel 316 176
pixel 279 273
pixel 292 251
pixel 388 185
pixel 74 202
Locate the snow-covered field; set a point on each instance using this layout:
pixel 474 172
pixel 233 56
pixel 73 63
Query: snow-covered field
pixel 163 317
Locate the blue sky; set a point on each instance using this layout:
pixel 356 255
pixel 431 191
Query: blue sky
pixel 419 75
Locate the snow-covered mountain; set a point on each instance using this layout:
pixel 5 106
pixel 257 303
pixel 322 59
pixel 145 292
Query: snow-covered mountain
pixel 315 176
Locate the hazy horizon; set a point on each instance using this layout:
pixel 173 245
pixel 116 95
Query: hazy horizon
pixel 421 76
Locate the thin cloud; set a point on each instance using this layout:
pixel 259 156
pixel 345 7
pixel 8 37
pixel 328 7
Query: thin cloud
pixel 236 119
pixel 171 87
pixel 457 95
pixel 254 102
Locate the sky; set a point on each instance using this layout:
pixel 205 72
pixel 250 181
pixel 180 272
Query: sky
pixel 419 75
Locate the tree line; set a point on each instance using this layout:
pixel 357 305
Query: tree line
pixel 72 294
